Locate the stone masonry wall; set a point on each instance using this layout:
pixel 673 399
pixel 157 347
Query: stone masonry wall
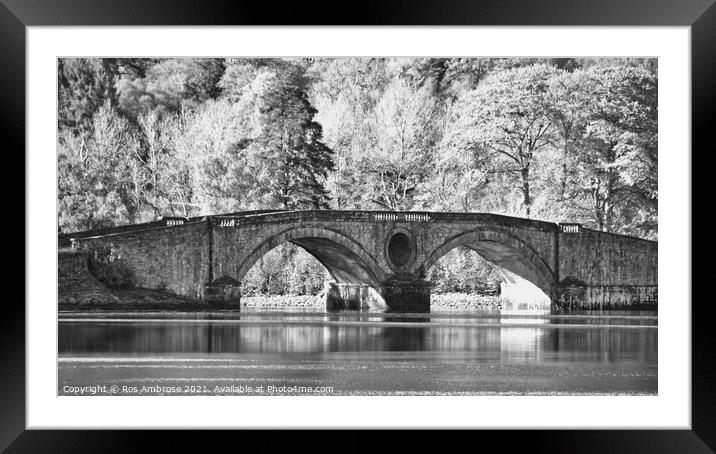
pixel 71 261
pixel 174 258
pixel 604 271
pixel 597 258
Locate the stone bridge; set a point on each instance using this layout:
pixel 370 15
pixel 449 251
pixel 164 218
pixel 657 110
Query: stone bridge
pixel 380 259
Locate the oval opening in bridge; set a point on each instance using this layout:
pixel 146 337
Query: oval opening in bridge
pixel 399 249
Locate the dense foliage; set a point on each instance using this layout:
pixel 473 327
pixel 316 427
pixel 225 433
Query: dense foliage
pixel 565 140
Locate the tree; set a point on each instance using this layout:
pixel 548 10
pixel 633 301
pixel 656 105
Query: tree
pixel 346 92
pixel 241 72
pixel 85 84
pixel 257 147
pixel 170 84
pixel 568 111
pixel 238 76
pixel 507 116
pixel 221 176
pixel 168 183
pixel 461 182
pixel 406 128
pixel 100 180
pixel 463 74
pixel 619 165
pixel 361 80
pixel 464 270
pixel 291 141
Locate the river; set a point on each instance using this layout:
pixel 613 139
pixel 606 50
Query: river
pixel 311 352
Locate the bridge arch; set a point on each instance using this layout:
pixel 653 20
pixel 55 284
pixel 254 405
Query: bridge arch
pixel 513 256
pixel 344 258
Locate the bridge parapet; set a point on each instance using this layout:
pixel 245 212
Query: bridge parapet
pixel 174 220
pixel 570 228
pixel 407 217
pixel 380 217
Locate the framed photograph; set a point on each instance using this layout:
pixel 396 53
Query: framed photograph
pixel 432 218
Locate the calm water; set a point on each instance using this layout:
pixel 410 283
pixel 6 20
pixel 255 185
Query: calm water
pixel 274 352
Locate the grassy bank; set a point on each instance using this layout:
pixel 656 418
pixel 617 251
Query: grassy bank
pixel 130 299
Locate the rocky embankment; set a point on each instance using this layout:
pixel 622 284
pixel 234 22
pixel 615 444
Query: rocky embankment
pixel 131 299
pixel 316 301
pixel 443 301
pixel 464 301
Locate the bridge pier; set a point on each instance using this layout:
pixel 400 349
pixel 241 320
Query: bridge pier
pixel 407 295
pixel 393 296
pixel 223 292
pixel 340 295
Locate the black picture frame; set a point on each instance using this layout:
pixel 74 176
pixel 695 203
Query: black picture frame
pixel 16 15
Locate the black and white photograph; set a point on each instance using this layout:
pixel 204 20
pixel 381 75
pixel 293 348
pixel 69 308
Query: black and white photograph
pixel 357 226
pixel 417 216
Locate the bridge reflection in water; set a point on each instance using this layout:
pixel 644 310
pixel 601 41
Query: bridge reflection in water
pixel 362 353
pixel 488 336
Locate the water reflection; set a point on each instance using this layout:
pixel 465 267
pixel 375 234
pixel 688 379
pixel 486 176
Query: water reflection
pixel 493 338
